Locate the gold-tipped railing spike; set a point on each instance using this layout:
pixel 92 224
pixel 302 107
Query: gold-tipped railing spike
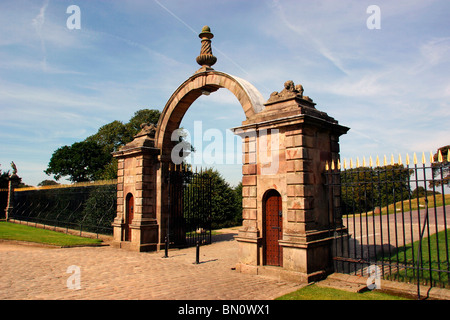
pixel 332 165
pixel 349 164
pixel 440 158
pixel 327 167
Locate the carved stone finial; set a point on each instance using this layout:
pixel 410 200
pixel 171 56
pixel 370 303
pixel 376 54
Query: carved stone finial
pixel 13 166
pixel 206 59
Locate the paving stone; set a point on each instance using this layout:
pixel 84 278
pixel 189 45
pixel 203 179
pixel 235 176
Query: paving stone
pixel 107 273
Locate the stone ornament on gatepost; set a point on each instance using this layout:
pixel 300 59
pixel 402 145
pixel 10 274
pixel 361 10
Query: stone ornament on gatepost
pixel 14 181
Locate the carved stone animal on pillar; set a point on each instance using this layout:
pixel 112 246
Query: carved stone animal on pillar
pixel 290 91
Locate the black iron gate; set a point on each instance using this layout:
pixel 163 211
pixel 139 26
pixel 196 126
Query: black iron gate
pixel 392 221
pixel 189 207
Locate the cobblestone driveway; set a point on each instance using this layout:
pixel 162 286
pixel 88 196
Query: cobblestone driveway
pixel 28 272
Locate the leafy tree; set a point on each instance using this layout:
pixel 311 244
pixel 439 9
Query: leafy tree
pixel 91 159
pixel 363 189
pixel 238 204
pixel 111 136
pixel 82 161
pixel 393 183
pixel 150 116
pixel 420 192
pixel 441 170
pixel 223 201
pixel 4 179
pixel 44 183
pixel 109 172
pixel 224 207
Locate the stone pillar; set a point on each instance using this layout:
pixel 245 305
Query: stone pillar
pixel 13 183
pixel 300 138
pixel 137 167
pixel 249 235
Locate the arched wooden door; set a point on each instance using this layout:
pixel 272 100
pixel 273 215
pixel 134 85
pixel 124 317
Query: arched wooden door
pixel 273 229
pixel 129 216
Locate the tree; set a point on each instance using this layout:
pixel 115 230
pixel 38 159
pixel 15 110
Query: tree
pixel 82 161
pixel 363 189
pixel 420 192
pixel 238 204
pixel 44 183
pixel 116 134
pixel 4 178
pixel 111 136
pixel 150 116
pixel 225 209
pixel 92 158
pixel 223 201
pixel 441 170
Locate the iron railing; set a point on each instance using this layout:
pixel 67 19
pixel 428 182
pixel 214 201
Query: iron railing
pixel 392 217
pixel 190 207
pixel 83 207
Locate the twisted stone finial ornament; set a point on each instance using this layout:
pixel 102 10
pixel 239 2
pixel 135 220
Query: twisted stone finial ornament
pixel 206 59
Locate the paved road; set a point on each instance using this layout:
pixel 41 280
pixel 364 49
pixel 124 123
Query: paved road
pixel 395 229
pixel 30 272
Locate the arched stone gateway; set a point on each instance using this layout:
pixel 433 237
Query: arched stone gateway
pixel 286 142
pixel 203 82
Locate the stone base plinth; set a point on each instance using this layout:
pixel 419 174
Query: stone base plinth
pixel 281 273
pixel 306 257
pixel 144 237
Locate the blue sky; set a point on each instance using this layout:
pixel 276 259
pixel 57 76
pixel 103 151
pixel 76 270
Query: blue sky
pixel 391 86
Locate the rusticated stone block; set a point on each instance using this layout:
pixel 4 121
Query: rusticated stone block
pixel 249 180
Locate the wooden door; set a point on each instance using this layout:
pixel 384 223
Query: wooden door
pixel 129 216
pixel 273 229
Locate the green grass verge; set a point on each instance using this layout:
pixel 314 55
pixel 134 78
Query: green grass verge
pixel 19 232
pixel 314 292
pixel 407 205
pixel 434 256
pixel 414 204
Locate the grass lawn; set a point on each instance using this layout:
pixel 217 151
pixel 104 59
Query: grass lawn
pixel 433 201
pixel 19 232
pixel 434 256
pixel 437 200
pixel 314 292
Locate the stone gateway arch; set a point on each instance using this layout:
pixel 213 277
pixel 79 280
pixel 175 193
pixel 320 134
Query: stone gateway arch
pixel 287 225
